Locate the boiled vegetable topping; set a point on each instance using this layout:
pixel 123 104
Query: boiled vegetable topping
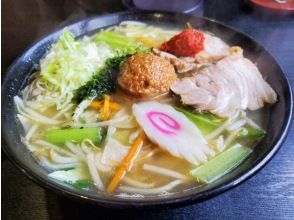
pixel 252 133
pixel 221 164
pixel 71 63
pixel 205 122
pixel 120 43
pixel 74 134
pixel 127 162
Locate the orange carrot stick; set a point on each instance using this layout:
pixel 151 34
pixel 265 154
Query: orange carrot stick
pixel 114 106
pixel 145 41
pixel 98 105
pixel 105 110
pixel 127 162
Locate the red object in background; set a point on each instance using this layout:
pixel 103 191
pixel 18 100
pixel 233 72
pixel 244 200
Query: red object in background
pixel 275 5
pixel 187 43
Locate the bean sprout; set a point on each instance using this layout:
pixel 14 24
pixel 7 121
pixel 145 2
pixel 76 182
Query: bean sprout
pixel 55 157
pixel 136 183
pixel 164 171
pixel 157 190
pixel 93 171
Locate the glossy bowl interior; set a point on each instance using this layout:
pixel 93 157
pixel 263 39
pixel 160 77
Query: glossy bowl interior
pixel 278 120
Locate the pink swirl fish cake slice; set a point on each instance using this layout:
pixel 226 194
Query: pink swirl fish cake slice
pixel 172 131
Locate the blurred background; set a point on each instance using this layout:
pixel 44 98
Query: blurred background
pixel 24 21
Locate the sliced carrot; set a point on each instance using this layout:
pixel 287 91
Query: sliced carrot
pixel 127 162
pixel 98 105
pixel 105 110
pixel 145 41
pixel 114 106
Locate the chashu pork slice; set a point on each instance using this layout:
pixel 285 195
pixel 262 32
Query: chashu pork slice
pixel 214 49
pixel 233 83
pixel 172 131
pixel 182 65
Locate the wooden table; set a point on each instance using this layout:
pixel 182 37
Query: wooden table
pixel 267 195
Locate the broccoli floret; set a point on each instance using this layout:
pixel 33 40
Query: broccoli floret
pixel 103 82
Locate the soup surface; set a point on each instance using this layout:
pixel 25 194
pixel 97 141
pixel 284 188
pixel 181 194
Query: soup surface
pixel 140 110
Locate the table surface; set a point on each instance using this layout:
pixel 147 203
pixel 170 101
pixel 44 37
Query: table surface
pixel 267 195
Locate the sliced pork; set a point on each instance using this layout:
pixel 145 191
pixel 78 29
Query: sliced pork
pixel 181 65
pixel 233 83
pixel 214 50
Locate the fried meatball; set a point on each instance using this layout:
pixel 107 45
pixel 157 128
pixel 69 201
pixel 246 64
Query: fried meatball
pixel 146 75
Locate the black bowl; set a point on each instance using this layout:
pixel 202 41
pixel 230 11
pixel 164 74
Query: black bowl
pixel 278 119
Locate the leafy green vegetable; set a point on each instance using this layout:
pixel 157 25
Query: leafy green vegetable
pixel 74 134
pixel 68 42
pixel 206 122
pixel 221 164
pixel 80 184
pixel 251 133
pixel 78 177
pixel 102 82
pixel 119 42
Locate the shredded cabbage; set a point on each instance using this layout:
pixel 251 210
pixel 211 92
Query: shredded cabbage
pixel 71 63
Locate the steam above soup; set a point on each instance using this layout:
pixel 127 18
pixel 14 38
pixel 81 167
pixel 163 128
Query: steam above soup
pixel 142 110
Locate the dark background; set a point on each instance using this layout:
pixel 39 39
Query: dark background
pixel 268 195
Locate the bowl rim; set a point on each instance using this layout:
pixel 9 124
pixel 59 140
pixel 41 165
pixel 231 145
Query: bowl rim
pixel 179 201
